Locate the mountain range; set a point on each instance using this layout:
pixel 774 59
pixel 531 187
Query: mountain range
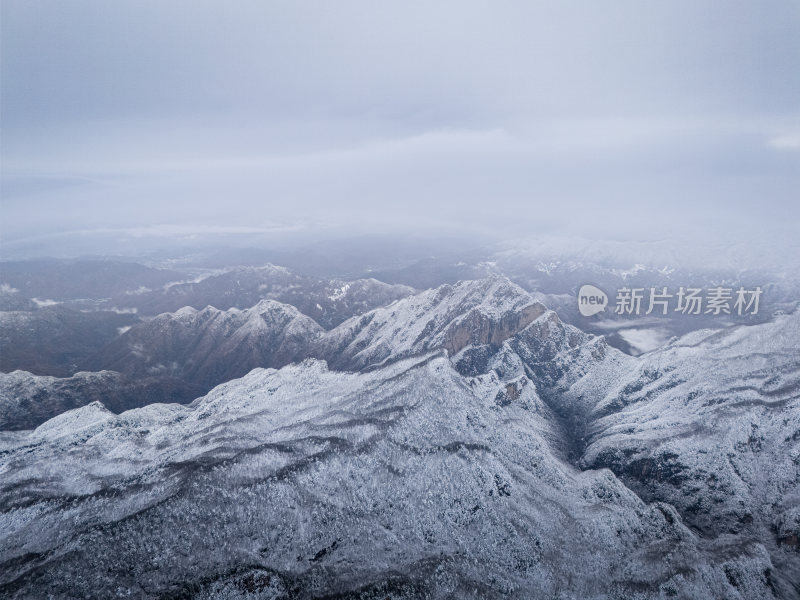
pixel 462 442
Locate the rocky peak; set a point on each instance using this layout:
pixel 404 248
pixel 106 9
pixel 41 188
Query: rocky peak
pixel 485 311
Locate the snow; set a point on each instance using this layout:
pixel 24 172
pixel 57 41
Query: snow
pixel 339 293
pixel 527 477
pixel 339 479
pixel 417 323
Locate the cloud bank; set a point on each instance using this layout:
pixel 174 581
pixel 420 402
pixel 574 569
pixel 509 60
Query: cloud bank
pixel 620 119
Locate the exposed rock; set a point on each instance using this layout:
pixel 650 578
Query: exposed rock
pixel 452 317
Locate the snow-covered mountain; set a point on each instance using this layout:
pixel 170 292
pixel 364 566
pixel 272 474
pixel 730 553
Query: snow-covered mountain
pixel 711 424
pixel 207 347
pixel 490 328
pixel 62 334
pixel 327 301
pixel 452 317
pixel 406 482
pixel 460 442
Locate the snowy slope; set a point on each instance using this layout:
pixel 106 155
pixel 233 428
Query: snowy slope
pixel 402 482
pixel 711 424
pixel 210 346
pixel 486 311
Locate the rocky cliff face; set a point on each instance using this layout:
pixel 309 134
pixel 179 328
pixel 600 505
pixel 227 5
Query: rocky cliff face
pixel 451 317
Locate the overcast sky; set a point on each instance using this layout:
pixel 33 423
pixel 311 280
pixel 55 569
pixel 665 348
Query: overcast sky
pixel 621 119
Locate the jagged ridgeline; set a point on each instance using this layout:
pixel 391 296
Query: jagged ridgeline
pixel 460 442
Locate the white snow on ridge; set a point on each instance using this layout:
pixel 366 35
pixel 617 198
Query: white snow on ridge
pixel 339 293
pixel 415 323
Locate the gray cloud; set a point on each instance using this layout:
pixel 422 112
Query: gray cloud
pixel 614 119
